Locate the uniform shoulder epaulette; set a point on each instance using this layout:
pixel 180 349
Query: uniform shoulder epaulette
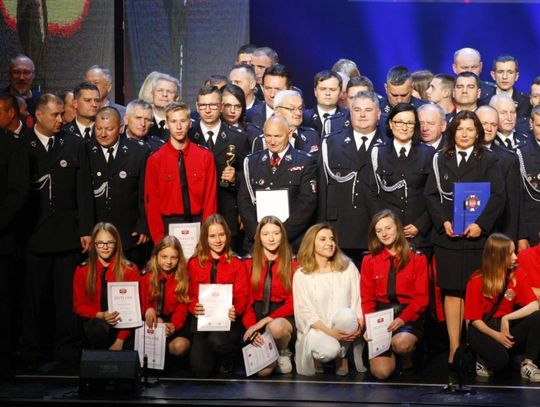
pixel 83 263
pixel 234 128
pixel 136 141
pixel 144 271
pixel 250 124
pixel 128 263
pixel 415 249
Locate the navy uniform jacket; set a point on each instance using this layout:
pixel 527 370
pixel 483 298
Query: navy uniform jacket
pixel 521 100
pixel 312 119
pixel 14 183
pixel 343 204
pixel 529 155
pixel 486 89
pixel 226 196
pixel 60 207
pixel 251 132
pixel 72 128
pixel 297 172
pixel 256 102
pixel 257 115
pixel 508 222
pixel 156 131
pixel 152 142
pixel 519 139
pixel 307 140
pixel 119 190
pixel 477 169
pixel 408 201
pixel 338 121
pixel 386 107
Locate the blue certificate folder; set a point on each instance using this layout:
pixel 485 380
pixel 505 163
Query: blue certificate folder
pixel 470 199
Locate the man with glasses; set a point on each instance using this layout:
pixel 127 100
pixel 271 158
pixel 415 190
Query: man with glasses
pixel 165 89
pixel 21 76
pixel 229 147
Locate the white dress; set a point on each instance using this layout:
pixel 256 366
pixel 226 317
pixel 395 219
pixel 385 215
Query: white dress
pixel 317 297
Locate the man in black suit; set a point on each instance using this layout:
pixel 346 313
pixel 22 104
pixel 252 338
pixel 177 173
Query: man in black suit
pixel 345 155
pixel 117 167
pixel 244 77
pixel 469 60
pixel 86 103
pixel 507 135
pixel 138 122
pixel 165 89
pixel 102 78
pixel 275 79
pixel 229 146
pixel 432 125
pixel 261 59
pixel 279 167
pixel 58 222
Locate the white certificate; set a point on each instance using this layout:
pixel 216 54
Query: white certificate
pixel 377 330
pixel 188 235
pixel 274 202
pixel 152 345
pixel 257 358
pixel 217 300
pixel 123 297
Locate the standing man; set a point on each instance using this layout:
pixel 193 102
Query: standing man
pixel 244 77
pixel 279 167
pixel 102 78
pixel 466 91
pixel 261 59
pixel 86 103
pixel 180 184
pixel 117 167
pixel 58 222
pixel 165 89
pixel 22 73
pixel 440 92
pixel 469 60
pixel 138 121
pixel 506 134
pixel 432 125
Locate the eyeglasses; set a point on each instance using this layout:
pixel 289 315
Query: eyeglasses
pixel 101 245
pixel 291 109
pixel 230 106
pixel 204 106
pixel 399 123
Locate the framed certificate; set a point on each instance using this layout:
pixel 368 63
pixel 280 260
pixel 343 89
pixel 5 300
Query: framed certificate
pixel 123 297
pixel 188 234
pixel 470 199
pixel 272 202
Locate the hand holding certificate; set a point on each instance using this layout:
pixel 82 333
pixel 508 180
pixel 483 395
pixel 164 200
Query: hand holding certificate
pixel 377 331
pixel 259 357
pixel 151 342
pixel 123 297
pixel 216 300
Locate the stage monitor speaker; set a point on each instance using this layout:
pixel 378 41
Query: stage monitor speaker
pixel 109 375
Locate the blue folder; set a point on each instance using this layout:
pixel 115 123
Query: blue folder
pixel 470 199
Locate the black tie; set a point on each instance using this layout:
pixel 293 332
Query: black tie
pixel 362 151
pixel 104 305
pixel 110 156
pixel 184 186
pixel 403 153
pixel 508 143
pixel 50 144
pixel 463 155
pixel 161 297
pixel 210 140
pixel 213 271
pixel 162 124
pixel 87 133
pixel 391 288
pixel 296 138
pixel 267 288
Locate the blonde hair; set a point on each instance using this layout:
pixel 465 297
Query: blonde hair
pixel 400 245
pixel 306 253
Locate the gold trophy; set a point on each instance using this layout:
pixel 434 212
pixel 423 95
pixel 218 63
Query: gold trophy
pixel 230 157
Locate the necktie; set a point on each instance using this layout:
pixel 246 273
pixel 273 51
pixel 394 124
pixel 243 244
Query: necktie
pixel 296 139
pixel 267 288
pixel 110 156
pixel 325 117
pixel 162 124
pixel 104 304
pixel 362 151
pixel 508 143
pixel 184 186
pixel 463 155
pixel 275 159
pixel 402 153
pixel 391 287
pixel 87 133
pixel 161 297
pixel 210 140
pixel 50 144
pixel 213 271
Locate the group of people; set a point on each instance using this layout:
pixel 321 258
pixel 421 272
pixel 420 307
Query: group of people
pixel 265 178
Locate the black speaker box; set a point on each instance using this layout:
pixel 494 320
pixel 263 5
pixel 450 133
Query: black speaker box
pixel 109 375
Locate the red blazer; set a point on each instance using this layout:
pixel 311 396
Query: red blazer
pixel 411 284
pixel 174 310
pixel 277 294
pixel 87 307
pixel 529 262
pixel 476 305
pixel 234 273
pixel 162 191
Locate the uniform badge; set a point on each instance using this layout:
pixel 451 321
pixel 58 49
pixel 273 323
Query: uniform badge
pixel 303 137
pixel 288 157
pixel 261 181
pixel 61 141
pixel 347 140
pixel 98 173
pixel 223 135
pixel 274 169
pixel 347 123
pixel 264 158
pixel 122 174
pixel 33 144
pixel 445 177
pixel 94 149
pixel 313 185
pixel 196 136
pixel 63 163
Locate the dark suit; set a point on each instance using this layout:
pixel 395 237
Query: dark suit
pixel 226 195
pixel 529 153
pixel 343 204
pixel 312 119
pixel 297 172
pixel 72 128
pixel 519 140
pixel 339 121
pixel 257 115
pixel 306 140
pixel 157 131
pixel 408 201
pixel 119 189
pixel 152 142
pixel 60 209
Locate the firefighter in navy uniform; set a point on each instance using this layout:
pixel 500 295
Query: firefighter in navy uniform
pixel 279 167
pixel 58 223
pixel 118 166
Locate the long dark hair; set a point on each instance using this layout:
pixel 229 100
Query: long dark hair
pixel 449 147
pixel 238 93
pixel 401 245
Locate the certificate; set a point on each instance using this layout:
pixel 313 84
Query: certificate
pixel 274 203
pixel 257 358
pixel 123 297
pixel 217 300
pixel 377 330
pixel 152 345
pixel 470 199
pixel 188 235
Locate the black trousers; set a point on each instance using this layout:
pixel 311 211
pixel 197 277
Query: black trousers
pixel 49 305
pixel 99 335
pixel 526 333
pixel 208 348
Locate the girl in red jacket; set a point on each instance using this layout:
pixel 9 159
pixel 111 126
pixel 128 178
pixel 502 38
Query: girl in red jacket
pixel 164 293
pixel 271 301
pixel 215 263
pixel 106 263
